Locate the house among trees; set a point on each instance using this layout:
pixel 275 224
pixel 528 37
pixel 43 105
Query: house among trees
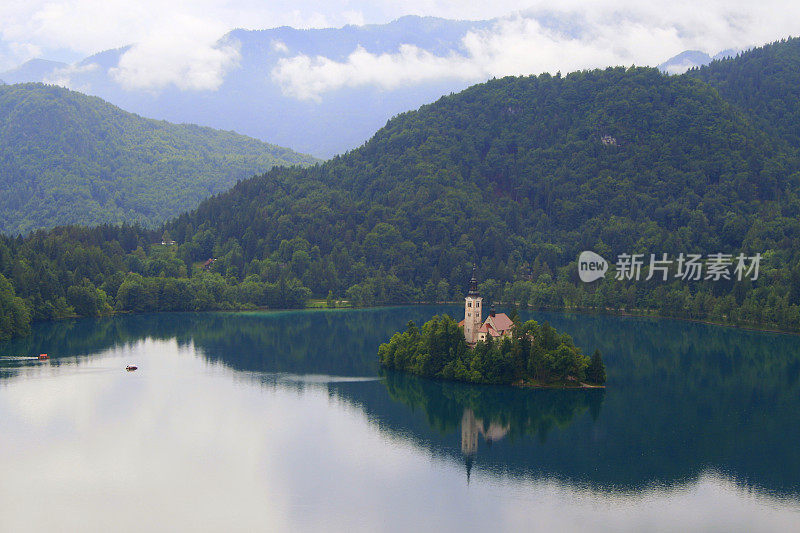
pixel 496 326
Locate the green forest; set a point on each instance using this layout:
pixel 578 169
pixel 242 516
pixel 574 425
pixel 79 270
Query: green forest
pixel 68 158
pixel 513 175
pixel 533 356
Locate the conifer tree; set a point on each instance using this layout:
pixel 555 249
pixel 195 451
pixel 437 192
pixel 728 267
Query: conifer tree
pixel 596 371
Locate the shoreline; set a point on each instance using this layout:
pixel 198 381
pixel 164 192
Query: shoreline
pixel 580 386
pixel 566 310
pixel 521 385
pixel 613 312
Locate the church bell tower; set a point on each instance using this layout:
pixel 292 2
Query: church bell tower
pixel 472 311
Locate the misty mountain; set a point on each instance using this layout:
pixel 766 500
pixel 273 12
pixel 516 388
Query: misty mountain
pixel 256 99
pixel 68 158
pixel 251 102
pixel 690 59
pixel 33 70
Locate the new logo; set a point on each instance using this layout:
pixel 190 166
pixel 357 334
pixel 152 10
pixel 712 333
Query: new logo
pixel 591 266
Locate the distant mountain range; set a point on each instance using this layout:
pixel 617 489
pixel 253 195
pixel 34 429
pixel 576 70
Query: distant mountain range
pixel 68 158
pixel 252 99
pixel 251 102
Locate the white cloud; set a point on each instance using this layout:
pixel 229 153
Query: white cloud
pixel 680 67
pixel 356 18
pixel 63 76
pixel 279 46
pixel 189 59
pixel 176 41
pixel 25 50
pixel 307 78
pixel 576 36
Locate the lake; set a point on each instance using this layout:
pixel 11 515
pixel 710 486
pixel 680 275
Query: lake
pixel 282 421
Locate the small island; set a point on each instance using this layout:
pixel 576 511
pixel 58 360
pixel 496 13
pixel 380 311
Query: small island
pixel 495 351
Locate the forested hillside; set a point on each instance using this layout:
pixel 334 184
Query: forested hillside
pixel 517 174
pixel 765 82
pixel 67 158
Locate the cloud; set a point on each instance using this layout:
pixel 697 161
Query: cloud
pixel 188 60
pixel 25 50
pixel 63 76
pixel 176 42
pixel 353 17
pixel 576 36
pixel 279 46
pixel 307 78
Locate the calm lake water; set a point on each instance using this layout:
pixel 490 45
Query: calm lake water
pixel 281 422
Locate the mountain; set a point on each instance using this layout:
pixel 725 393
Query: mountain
pixel 765 82
pixel 256 95
pixel 251 101
pixel 33 70
pixel 684 61
pixel 512 172
pixel 690 59
pixel 67 158
pixel 518 175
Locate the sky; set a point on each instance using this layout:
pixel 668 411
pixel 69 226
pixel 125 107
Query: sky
pixel 177 42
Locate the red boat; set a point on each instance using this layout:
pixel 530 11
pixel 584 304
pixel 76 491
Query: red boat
pixel 43 356
pixel 131 368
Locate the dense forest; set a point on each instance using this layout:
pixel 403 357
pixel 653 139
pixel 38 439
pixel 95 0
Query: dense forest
pixel 518 175
pixel 68 158
pixel 535 355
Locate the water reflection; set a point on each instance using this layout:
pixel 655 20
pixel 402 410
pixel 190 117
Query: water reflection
pixel 472 428
pixel 300 342
pixel 695 417
pixel 488 414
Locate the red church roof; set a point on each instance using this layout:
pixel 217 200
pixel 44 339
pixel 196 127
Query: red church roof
pixel 501 322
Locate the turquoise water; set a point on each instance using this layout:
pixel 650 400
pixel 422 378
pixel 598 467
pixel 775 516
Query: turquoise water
pixel 282 421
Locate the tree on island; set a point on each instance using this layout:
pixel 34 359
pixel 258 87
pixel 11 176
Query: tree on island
pixel 596 371
pixel 534 355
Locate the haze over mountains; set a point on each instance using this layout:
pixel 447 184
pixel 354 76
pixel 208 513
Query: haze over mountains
pixel 251 101
pixel 264 85
pixel 692 59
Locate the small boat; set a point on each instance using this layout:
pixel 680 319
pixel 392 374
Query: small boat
pixel 131 368
pixel 43 356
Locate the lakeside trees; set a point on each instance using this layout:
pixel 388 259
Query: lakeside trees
pixel 15 317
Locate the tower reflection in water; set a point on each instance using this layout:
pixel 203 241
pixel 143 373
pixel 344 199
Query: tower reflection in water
pixel 486 414
pixel 471 429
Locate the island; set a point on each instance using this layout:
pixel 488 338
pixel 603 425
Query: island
pixel 496 350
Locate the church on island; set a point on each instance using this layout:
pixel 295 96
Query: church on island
pixel 496 325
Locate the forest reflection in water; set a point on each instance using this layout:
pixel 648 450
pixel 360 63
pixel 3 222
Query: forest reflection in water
pixel 683 399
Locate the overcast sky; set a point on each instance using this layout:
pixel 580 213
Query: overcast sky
pixel 176 40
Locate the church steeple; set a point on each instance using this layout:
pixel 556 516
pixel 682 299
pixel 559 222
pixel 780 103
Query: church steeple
pixel 473 284
pixel 472 310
